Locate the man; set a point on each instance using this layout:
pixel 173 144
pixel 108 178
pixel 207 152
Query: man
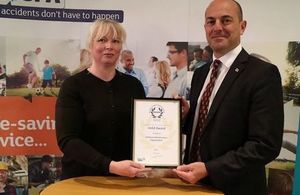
pixel 31 66
pixel 150 73
pixel 127 61
pixel 178 56
pixel 5 188
pixel 242 127
pixel 39 172
pixel 207 54
pixel 197 61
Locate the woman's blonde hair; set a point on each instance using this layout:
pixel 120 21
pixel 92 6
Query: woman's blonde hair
pixel 101 28
pixel 164 73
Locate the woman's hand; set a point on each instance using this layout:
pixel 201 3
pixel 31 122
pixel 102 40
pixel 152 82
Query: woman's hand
pixel 191 173
pixel 126 168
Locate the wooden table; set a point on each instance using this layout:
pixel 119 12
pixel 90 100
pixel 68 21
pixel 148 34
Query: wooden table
pixel 125 186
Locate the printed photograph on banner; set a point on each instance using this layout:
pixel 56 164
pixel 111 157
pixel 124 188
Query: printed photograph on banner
pixel 286 56
pixel 43 171
pixel 14 175
pixel 159 77
pixel 145 59
pixel 84 62
pixel 2 67
pixel 168 76
pixel 37 67
pixel 199 53
pixel 127 65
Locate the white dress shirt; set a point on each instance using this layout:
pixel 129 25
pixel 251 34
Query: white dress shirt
pixel 227 61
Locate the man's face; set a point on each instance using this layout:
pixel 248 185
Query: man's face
pixel 3 176
pixel 173 55
pixel 197 55
pixel 223 26
pixel 128 61
pixel 46 165
pixel 206 55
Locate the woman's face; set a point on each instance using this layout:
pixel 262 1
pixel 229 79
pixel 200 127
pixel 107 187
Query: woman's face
pixel 3 176
pixel 106 51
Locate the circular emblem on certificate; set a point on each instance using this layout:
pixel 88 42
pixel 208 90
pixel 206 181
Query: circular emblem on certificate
pixel 156 111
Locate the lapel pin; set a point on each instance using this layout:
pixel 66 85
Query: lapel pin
pixel 236 70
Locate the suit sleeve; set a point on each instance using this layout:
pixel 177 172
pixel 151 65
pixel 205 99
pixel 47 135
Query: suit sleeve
pixel 264 136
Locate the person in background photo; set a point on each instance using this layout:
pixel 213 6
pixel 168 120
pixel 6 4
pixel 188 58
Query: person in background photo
pixel 280 182
pixel 5 188
pixel 31 66
pixel 207 54
pixel 163 74
pixel 85 59
pixel 2 72
pixel 127 61
pixel 234 124
pixel 151 72
pixel 48 75
pixel 39 172
pixel 197 61
pixel 2 80
pixel 178 56
pixel 93 110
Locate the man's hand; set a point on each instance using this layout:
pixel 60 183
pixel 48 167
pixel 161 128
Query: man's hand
pixel 184 105
pixel 126 168
pixel 191 173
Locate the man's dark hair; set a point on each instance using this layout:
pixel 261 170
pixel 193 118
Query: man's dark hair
pixel 47 158
pixel 154 58
pixel 198 49
pixel 240 10
pixel 180 46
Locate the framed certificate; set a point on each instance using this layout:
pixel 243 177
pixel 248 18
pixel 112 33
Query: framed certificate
pixel 157 132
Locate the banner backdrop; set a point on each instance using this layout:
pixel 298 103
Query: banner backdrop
pixel 26 127
pixel 54 32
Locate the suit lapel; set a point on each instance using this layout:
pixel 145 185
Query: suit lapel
pixel 235 70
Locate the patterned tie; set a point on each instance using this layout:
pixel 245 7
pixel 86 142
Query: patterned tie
pixel 203 111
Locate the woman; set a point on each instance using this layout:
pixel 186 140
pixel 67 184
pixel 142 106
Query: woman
pixel 163 74
pixel 93 110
